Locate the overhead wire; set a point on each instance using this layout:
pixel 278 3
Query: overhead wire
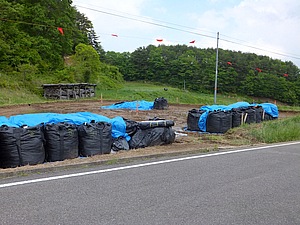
pixel 294 56
pixel 153 19
pixel 148 22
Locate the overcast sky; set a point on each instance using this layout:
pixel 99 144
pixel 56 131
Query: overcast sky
pixel 264 27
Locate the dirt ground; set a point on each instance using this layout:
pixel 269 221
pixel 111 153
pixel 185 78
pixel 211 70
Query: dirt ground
pixel 185 142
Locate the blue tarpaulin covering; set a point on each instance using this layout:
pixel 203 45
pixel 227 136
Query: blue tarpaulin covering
pixel 140 105
pixel 269 108
pixel 118 124
pixel 4 121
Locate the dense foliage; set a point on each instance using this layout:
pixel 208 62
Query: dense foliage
pixel 194 69
pixel 52 42
pixel 38 37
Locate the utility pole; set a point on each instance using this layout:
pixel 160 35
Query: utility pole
pixel 216 77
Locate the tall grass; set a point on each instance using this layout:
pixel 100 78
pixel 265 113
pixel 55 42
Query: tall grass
pixel 282 130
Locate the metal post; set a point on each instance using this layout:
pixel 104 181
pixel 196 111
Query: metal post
pixel 216 77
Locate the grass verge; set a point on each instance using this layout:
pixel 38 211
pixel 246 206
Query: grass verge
pixel 278 130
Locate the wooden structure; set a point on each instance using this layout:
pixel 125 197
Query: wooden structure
pixel 69 91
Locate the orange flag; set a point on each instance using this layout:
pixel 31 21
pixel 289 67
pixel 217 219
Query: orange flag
pixel 61 31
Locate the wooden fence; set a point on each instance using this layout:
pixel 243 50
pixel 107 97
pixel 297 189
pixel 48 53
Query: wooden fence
pixel 69 91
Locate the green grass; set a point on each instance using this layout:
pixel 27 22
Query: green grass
pixel 282 130
pixel 148 91
pixel 289 108
pixel 18 96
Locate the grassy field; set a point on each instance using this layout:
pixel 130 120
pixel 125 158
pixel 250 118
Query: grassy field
pixel 149 91
pixel 18 96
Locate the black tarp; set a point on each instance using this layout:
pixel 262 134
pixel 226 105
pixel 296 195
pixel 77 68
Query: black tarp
pixel 160 103
pixel 193 119
pixel 131 126
pixel 219 121
pixel 119 144
pixel 21 146
pixel 152 137
pixel 155 123
pixel 94 138
pixel 61 141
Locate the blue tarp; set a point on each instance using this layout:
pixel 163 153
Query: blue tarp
pixel 269 108
pixel 4 121
pixel 140 105
pixel 118 124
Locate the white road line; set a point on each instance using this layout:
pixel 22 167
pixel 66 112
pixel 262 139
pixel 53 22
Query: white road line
pixel 141 165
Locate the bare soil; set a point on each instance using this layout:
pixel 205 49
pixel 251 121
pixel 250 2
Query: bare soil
pixel 185 142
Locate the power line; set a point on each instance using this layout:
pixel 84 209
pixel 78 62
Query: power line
pixel 186 31
pixel 261 49
pixel 148 22
pixel 139 16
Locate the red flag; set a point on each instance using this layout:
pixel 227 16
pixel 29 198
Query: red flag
pixel 258 70
pixel 192 42
pixel 61 31
pixel 285 75
pixel 160 40
pixel 114 35
pixel 229 63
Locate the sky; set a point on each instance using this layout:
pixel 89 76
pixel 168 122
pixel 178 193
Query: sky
pixel 264 27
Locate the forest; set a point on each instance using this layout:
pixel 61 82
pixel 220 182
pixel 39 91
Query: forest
pixel 194 68
pixel 52 42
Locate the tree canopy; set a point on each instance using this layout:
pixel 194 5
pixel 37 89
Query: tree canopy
pixel 194 68
pixel 37 37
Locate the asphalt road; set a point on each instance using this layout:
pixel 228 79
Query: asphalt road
pixel 260 186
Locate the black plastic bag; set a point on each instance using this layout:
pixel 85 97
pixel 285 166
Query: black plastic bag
pixel 160 103
pixel 237 117
pixel 152 137
pixel 193 119
pixel 131 126
pixel 219 121
pixel 119 144
pixel 259 111
pixel 61 141
pixel 20 146
pixel 94 138
pixel 250 115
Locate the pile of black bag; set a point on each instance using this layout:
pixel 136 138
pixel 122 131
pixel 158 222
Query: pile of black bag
pixel 220 121
pixel 149 133
pixel 20 146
